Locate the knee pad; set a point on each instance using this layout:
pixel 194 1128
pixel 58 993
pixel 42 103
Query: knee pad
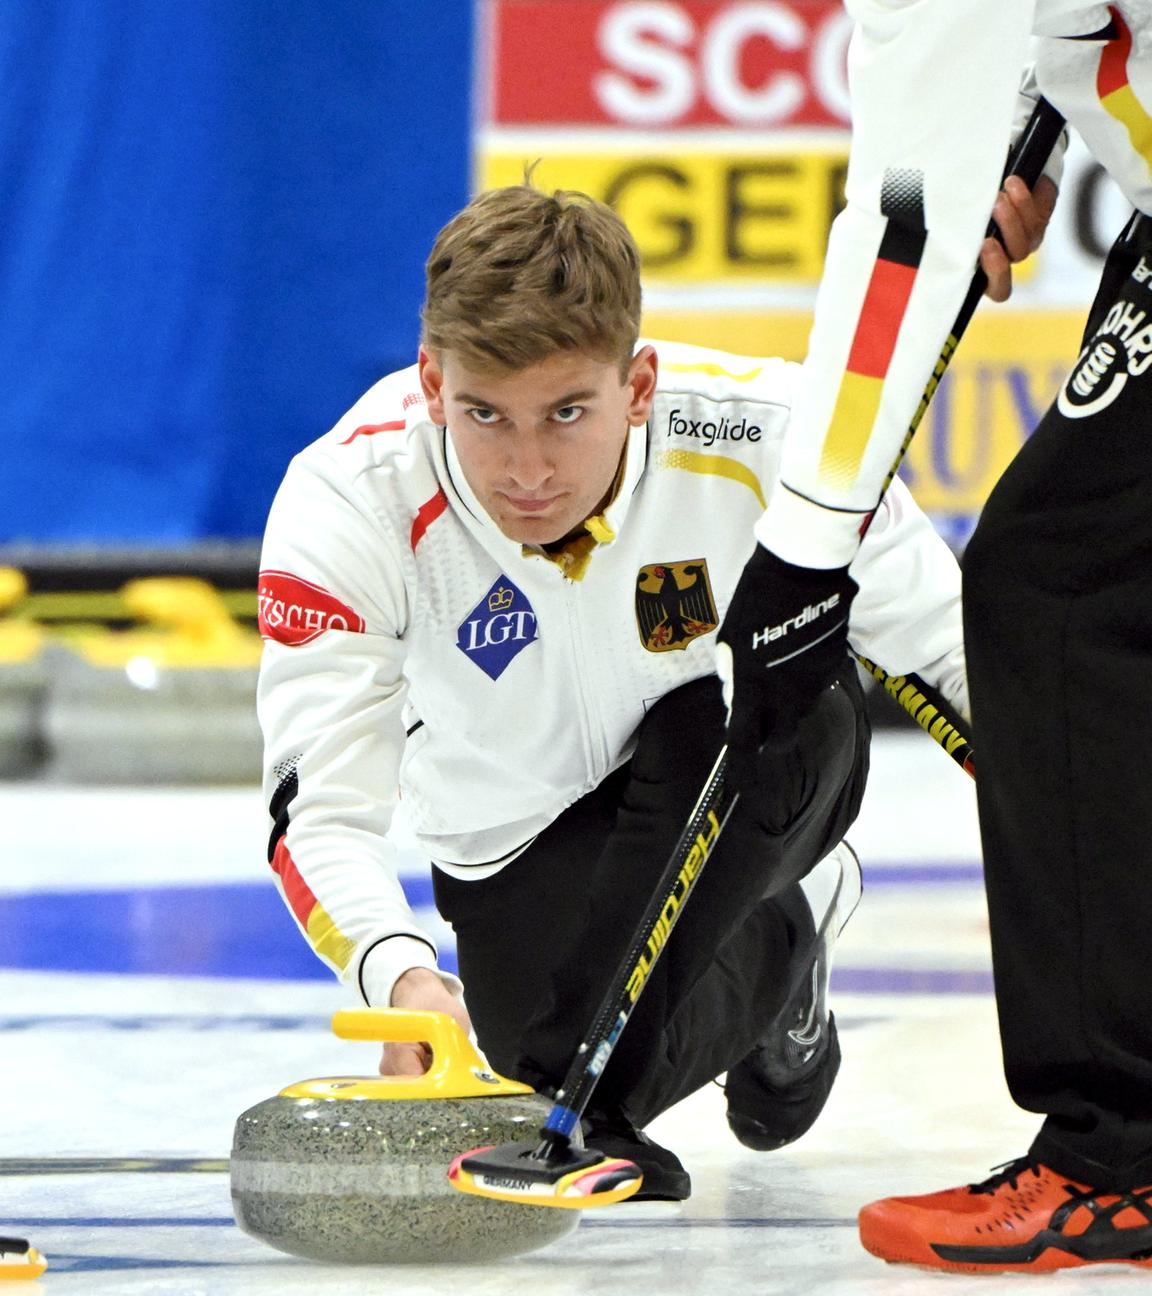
pixel 681 736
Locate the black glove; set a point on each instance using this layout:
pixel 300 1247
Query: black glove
pixel 782 644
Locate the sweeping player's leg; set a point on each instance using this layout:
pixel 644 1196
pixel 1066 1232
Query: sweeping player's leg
pixel 1059 625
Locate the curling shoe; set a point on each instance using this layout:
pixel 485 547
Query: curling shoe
pixel 1025 1217
pixel 777 1091
pixel 665 1179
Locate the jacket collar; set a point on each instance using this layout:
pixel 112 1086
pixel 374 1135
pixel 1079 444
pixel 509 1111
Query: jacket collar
pixel 635 462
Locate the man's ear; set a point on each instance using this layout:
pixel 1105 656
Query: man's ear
pixel 642 378
pixel 432 384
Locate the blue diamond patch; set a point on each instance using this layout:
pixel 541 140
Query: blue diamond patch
pixel 501 625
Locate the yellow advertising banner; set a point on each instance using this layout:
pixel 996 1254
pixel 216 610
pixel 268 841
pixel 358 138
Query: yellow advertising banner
pixel 709 217
pixel 1006 372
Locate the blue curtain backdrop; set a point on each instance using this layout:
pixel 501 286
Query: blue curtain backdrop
pixel 213 219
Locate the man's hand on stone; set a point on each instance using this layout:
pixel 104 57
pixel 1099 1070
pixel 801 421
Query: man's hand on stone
pixel 422 989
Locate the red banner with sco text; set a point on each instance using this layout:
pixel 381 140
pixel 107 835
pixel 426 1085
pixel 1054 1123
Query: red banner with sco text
pixel 668 63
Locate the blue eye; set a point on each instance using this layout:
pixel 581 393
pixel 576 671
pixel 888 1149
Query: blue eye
pixel 485 417
pixel 568 413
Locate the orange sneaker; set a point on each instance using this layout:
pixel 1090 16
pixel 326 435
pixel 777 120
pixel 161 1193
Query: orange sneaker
pixel 1023 1217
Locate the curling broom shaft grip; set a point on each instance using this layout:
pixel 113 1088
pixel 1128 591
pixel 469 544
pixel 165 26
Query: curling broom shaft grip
pixel 931 710
pixel 1030 153
pixel 1028 158
pixel 684 866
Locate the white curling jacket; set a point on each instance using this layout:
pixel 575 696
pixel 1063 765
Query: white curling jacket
pixel 934 95
pixel 412 649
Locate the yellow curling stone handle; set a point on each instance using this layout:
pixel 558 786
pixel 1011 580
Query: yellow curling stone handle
pixel 457 1070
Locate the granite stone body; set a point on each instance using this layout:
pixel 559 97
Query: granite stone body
pixel 363 1181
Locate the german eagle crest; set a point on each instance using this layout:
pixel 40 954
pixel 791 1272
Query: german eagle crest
pixel 674 604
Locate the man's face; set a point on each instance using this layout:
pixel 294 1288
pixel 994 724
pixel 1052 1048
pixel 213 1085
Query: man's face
pixel 540 448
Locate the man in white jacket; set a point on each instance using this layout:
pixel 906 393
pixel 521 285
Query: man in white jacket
pixel 493 588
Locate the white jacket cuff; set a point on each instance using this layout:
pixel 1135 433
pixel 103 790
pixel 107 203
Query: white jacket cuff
pixel 388 960
pixel 807 534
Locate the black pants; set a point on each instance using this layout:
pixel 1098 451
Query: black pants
pixel 1058 623
pixel 539 942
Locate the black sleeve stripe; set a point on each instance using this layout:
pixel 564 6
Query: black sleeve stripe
pixel 282 798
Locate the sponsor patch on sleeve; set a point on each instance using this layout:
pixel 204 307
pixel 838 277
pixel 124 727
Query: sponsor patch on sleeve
pixel 294 611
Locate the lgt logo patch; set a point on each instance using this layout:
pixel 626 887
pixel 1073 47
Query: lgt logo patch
pixel 501 625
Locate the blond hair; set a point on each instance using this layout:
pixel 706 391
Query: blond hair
pixel 519 276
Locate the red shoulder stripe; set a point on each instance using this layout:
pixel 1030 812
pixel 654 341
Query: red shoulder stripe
pixel 427 513
pixel 370 429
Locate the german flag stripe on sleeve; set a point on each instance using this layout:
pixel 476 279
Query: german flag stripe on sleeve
pixel 877 328
pixel 325 937
pixel 1116 94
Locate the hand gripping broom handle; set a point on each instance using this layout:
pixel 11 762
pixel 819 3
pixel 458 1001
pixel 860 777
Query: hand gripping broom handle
pixel 1028 158
pixel 717 801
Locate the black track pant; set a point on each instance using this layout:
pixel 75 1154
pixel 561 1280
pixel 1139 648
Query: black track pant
pixel 539 941
pixel 1058 624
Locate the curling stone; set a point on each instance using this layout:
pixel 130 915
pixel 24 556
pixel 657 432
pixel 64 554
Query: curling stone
pixel 356 1169
pixel 171 702
pixel 22 682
